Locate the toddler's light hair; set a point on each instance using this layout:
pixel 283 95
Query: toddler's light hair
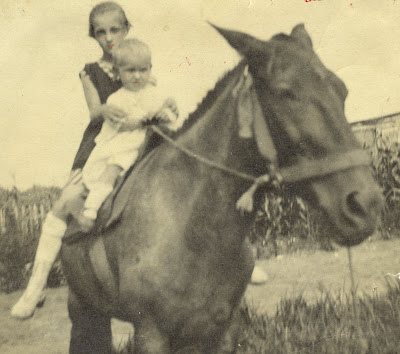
pixel 104 7
pixel 129 47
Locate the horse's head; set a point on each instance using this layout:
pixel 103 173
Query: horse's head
pixel 303 105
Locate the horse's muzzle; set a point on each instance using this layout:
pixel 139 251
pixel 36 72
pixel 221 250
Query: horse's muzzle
pixel 360 214
pixel 351 202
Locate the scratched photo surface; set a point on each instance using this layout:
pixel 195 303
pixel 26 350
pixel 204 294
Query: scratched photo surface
pixel 45 44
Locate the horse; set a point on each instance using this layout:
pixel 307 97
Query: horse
pixel 173 258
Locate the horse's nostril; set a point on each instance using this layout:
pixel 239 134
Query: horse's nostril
pixel 355 204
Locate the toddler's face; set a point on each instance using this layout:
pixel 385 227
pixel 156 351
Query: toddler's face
pixel 135 72
pixel 109 30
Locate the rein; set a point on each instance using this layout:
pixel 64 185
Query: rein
pixel 307 169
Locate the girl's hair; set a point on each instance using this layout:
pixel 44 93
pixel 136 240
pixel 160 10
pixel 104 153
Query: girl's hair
pixel 128 47
pixel 103 8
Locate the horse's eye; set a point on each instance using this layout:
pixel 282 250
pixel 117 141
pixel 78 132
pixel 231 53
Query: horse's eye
pixel 302 148
pixel 287 94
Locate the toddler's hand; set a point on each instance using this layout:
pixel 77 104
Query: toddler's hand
pixel 164 116
pixel 171 104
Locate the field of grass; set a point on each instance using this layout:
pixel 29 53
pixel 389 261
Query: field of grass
pixel 310 307
pixel 333 324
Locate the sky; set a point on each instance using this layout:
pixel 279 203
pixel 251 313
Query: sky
pixel 45 45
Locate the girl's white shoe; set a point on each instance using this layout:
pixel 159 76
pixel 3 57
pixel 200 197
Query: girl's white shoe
pixel 258 276
pixel 33 296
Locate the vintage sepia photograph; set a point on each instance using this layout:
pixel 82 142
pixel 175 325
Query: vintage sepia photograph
pixel 200 176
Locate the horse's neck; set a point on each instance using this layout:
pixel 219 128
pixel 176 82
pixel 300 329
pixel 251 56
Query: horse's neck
pixel 213 134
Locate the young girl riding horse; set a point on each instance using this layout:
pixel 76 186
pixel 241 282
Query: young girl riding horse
pixel 108 25
pixel 115 151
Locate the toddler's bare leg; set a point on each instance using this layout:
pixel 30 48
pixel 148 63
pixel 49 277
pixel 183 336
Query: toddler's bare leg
pixel 110 174
pixel 97 195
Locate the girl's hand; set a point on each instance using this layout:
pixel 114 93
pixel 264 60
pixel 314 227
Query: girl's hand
pixel 113 114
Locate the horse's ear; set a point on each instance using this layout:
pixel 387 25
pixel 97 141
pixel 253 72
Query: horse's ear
pixel 300 34
pixel 242 42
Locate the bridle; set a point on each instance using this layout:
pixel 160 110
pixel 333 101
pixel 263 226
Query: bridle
pixel 306 169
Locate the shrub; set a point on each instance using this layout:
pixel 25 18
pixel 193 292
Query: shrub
pixel 386 168
pixel 285 224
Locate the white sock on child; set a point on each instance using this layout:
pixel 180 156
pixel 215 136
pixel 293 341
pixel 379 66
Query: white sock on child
pixel 53 230
pixel 97 195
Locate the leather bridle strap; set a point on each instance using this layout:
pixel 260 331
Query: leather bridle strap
pixel 305 170
pixel 202 159
pixel 308 169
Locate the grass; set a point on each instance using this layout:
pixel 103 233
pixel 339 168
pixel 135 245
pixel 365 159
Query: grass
pixel 333 324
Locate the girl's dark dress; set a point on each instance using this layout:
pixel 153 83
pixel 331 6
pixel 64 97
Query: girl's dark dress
pixel 106 83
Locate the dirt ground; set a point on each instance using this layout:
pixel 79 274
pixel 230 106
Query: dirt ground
pixel 48 331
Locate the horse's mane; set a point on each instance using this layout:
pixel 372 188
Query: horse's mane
pixel 209 99
pixel 212 94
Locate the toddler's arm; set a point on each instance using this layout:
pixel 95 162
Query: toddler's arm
pixel 167 113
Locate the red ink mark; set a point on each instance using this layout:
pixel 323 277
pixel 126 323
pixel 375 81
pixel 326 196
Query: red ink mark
pixel 351 5
pixel 311 0
pixel 187 60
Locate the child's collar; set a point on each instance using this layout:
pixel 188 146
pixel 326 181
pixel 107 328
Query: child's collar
pixel 108 68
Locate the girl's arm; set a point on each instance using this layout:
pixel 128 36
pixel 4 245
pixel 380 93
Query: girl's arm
pixel 96 109
pixel 92 97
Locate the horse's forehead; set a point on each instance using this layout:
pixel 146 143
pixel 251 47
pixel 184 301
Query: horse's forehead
pixel 294 66
pixel 295 61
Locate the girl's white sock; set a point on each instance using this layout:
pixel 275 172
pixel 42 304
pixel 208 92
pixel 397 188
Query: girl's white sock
pixel 53 230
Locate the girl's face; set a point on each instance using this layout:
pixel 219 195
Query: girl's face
pixel 109 30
